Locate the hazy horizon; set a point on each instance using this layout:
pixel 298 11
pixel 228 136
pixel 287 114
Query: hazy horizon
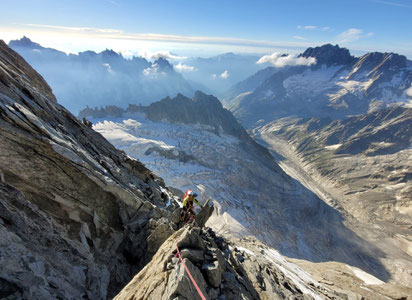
pixel 205 29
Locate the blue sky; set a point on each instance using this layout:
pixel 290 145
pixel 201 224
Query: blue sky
pixel 204 28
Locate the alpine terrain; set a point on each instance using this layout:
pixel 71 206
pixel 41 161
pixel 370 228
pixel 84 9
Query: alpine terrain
pixel 342 127
pixel 197 143
pixel 79 218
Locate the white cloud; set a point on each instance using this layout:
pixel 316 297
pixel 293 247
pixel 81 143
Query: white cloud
pixel 280 61
pixel 127 53
pixel 148 71
pixel 409 91
pixel 350 35
pixel 299 37
pixel 113 2
pixel 312 27
pixel 184 68
pixel 213 76
pixel 108 67
pixel 160 54
pixel 392 3
pixel 117 34
pixel 153 71
pixel 224 75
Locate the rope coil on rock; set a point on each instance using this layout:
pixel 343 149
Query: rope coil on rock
pixel 190 275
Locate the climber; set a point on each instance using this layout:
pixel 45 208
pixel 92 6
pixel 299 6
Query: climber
pixel 188 209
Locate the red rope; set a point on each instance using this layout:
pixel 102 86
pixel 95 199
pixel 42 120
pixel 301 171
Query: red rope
pixel 190 276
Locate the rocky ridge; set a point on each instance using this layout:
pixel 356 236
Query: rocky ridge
pixel 77 216
pixel 221 271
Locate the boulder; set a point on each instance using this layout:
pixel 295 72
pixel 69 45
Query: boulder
pixel 175 215
pixel 213 272
pixel 204 214
pixel 190 238
pixel 180 285
pixel 195 256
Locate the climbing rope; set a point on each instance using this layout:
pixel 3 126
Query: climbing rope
pixel 190 276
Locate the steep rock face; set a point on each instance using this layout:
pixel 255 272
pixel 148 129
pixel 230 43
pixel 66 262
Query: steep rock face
pixel 77 216
pixel 337 86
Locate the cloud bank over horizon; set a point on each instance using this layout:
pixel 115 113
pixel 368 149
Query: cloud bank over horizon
pixel 282 60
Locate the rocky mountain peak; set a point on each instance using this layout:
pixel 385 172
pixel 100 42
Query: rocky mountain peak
pixel 201 109
pixel 111 56
pixel 163 64
pixel 329 55
pixel 87 54
pixel 209 100
pixel 25 42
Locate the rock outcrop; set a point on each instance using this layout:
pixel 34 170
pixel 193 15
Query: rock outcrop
pixel 78 218
pixel 220 270
pixel 329 55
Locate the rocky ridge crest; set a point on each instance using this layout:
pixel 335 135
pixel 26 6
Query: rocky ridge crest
pixel 77 216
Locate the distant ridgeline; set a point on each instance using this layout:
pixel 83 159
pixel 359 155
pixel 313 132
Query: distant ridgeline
pixel 201 109
pixel 102 78
pixel 108 111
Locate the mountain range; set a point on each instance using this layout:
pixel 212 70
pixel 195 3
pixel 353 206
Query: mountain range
pixel 79 218
pixel 338 85
pixel 86 217
pixel 135 80
pixel 120 81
